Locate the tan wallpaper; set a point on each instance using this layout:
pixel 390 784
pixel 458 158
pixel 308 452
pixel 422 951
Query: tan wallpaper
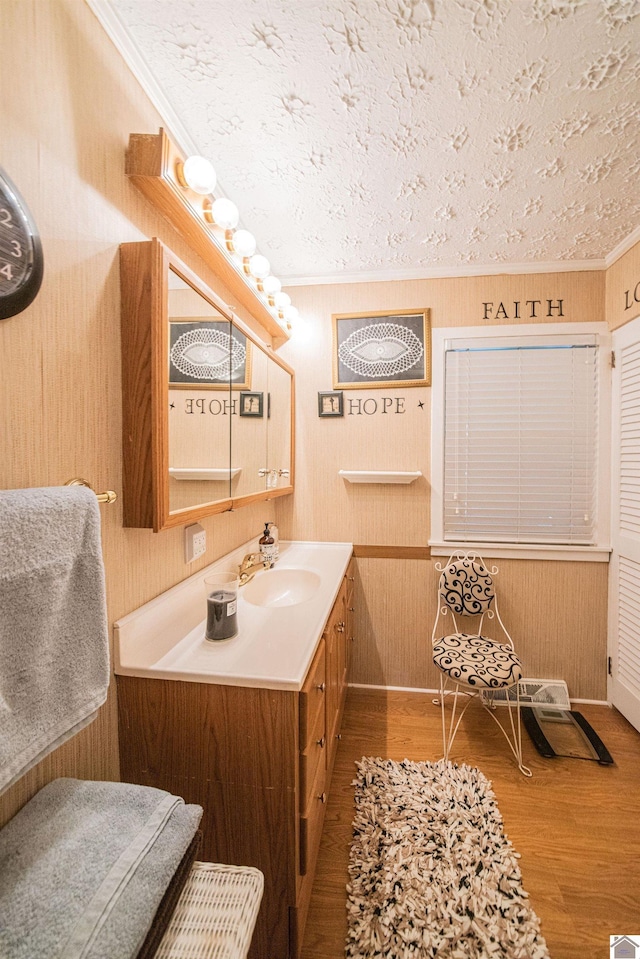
pixel 623 289
pixel 558 610
pixel 377 435
pixel 65 127
pixel 64 133
pixel 554 611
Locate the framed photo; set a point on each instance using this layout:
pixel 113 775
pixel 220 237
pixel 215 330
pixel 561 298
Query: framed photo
pixel 251 404
pixel 375 350
pixel 330 404
pixel 208 354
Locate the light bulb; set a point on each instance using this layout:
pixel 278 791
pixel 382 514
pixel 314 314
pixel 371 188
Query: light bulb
pixel 282 300
pixel 244 243
pixel 271 285
pixel 198 174
pixel 225 214
pixel 259 266
pixel 291 314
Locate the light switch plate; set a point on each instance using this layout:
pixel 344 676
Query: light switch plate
pixel 195 542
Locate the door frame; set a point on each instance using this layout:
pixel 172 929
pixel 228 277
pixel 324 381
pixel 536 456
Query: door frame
pixel 618 694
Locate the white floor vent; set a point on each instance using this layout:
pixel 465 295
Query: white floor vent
pixel 533 692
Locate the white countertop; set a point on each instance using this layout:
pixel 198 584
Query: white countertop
pixel 164 639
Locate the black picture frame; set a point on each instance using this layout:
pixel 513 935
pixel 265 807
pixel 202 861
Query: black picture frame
pixel 381 350
pixel 234 372
pixel 331 403
pixel 251 403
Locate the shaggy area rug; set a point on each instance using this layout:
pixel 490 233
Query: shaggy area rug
pixel 431 872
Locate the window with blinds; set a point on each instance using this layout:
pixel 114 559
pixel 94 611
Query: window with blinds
pixel 520 441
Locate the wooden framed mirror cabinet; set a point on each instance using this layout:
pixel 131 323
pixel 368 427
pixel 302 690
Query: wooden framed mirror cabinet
pixel 207 408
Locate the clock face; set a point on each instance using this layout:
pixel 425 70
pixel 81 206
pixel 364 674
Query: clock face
pixel 21 261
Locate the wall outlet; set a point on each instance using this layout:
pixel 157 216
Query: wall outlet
pixel 195 542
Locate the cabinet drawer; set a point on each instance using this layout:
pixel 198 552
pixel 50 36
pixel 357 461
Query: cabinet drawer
pixel 312 695
pixel 315 750
pixel 312 819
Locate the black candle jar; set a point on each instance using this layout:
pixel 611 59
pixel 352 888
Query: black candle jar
pixel 222 606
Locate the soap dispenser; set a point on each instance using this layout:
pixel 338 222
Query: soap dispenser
pixel 267 546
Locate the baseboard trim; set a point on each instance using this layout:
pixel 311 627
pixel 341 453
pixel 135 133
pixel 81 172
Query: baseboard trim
pixel 394 689
pixel 417 689
pixel 592 702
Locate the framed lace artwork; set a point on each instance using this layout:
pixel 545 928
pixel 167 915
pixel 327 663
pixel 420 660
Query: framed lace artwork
pixel 375 350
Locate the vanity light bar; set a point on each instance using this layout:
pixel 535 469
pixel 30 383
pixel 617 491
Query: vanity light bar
pixel 224 214
pixel 158 169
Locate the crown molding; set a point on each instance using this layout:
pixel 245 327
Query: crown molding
pixel 623 247
pixel 442 273
pixel 116 32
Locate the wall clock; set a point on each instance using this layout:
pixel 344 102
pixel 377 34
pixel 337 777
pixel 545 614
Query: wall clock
pixel 21 260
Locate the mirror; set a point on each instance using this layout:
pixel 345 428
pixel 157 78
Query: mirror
pixel 249 431
pixel 200 407
pixel 280 434
pixel 207 409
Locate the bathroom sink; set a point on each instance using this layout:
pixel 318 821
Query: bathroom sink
pixel 281 587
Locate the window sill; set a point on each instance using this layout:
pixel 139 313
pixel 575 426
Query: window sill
pixel 576 554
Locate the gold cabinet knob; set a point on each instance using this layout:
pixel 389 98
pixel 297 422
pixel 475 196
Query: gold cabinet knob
pixel 321 686
pixel 321 742
pixel 322 797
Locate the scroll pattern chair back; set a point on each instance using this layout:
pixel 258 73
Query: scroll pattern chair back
pixel 471 662
pixel 466 587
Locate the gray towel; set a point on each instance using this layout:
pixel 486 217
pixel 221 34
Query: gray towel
pixel 54 643
pixel 84 867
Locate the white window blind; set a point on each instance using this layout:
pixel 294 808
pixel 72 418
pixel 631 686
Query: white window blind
pixel 520 449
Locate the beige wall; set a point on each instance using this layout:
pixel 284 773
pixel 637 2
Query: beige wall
pixel 64 132
pixel 557 610
pixel 623 289
pixel 70 104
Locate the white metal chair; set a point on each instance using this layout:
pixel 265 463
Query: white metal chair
pixel 473 664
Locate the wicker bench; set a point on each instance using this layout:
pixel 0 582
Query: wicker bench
pixel 215 915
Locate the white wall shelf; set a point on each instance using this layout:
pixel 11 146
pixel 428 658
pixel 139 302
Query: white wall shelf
pixel 379 476
pixel 194 473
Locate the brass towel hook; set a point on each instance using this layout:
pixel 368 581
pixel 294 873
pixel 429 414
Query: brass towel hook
pixel 109 496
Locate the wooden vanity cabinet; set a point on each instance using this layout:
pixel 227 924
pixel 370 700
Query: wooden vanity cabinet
pixel 339 638
pixel 258 761
pixel 350 611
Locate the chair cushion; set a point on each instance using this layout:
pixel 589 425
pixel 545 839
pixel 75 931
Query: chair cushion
pixel 476 661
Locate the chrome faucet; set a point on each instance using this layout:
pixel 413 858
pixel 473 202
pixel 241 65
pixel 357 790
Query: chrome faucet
pixel 250 565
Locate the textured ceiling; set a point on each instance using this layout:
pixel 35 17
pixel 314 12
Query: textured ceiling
pixel 394 137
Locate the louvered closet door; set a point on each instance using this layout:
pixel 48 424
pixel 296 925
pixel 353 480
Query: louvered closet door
pixel 624 579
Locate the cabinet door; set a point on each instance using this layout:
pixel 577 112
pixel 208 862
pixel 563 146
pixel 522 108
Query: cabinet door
pixel 350 613
pixel 336 663
pixel 312 755
pixel 312 819
pixel 313 694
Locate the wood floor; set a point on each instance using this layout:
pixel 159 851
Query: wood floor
pixel 576 824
